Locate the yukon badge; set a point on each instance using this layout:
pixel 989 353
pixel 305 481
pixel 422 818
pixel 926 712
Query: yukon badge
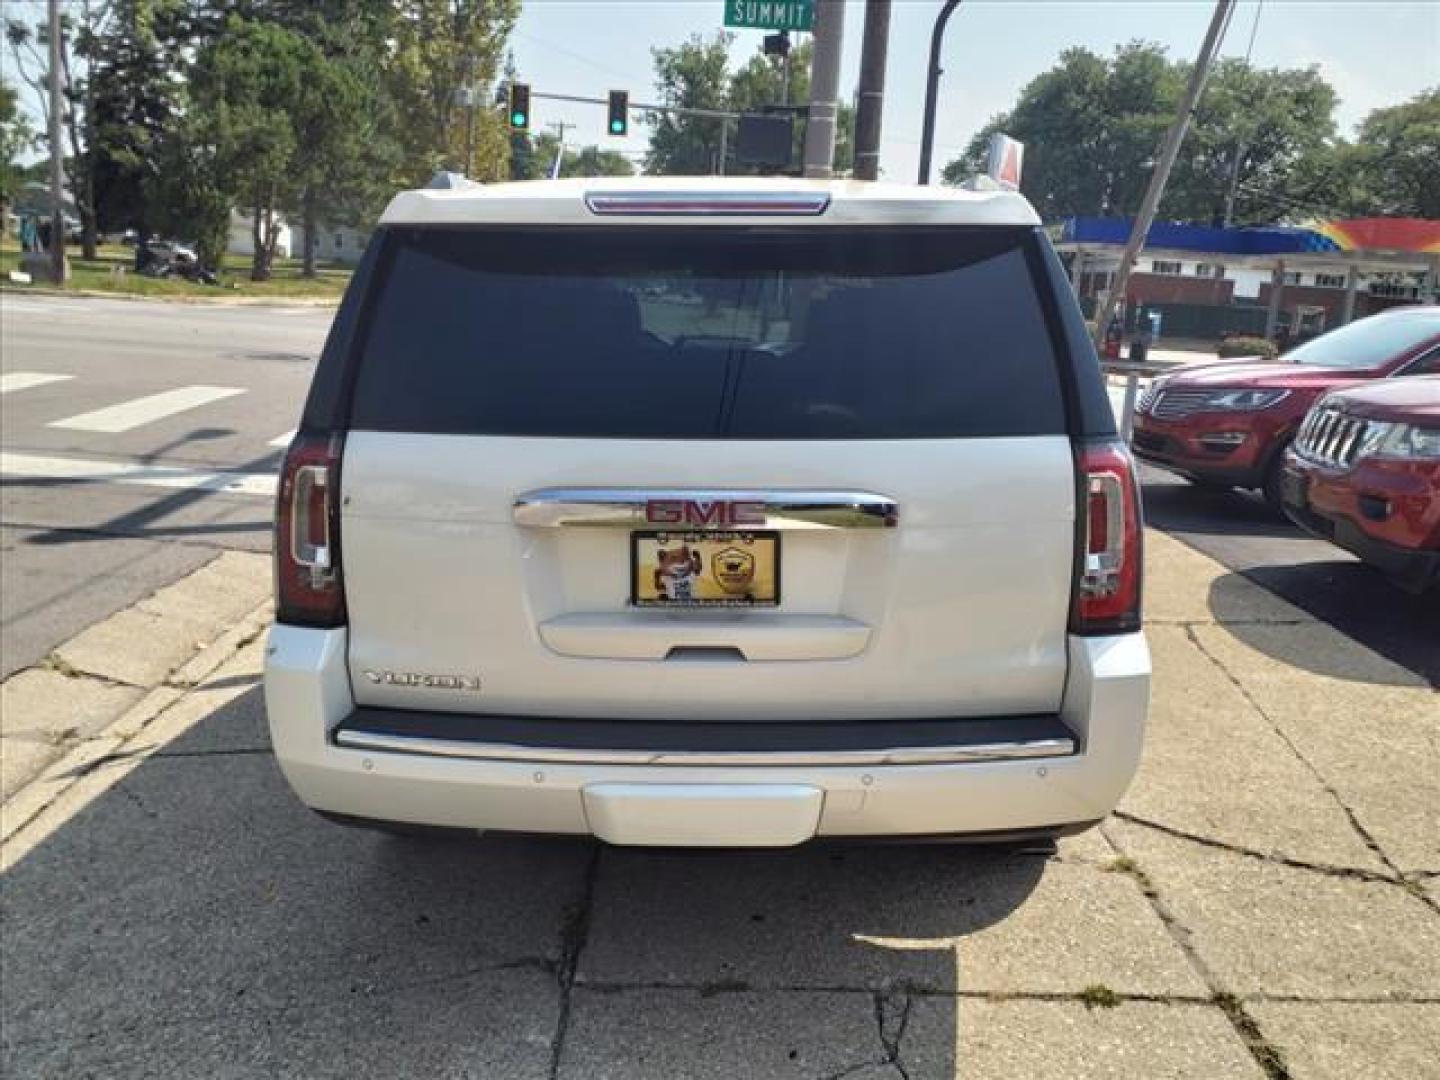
pixel 422 681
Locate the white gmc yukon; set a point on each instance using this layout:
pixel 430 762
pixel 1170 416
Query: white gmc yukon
pixel 709 512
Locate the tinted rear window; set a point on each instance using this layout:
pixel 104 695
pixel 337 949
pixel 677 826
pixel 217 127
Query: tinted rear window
pixel 646 332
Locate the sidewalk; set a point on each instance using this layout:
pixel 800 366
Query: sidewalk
pixel 1264 905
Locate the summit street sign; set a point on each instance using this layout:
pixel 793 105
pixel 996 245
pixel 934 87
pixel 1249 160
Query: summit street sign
pixel 770 14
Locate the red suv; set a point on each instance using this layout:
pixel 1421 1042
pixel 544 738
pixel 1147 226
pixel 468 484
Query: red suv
pixel 1364 473
pixel 1227 424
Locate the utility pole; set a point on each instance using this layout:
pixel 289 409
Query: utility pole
pixel 58 265
pixel 560 127
pixel 872 89
pixel 1161 175
pixel 829 33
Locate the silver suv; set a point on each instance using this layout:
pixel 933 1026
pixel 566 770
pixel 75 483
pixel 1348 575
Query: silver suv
pixel 709 512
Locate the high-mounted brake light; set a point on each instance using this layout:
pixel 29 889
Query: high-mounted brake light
pixel 709 204
pixel 308 584
pixel 1108 576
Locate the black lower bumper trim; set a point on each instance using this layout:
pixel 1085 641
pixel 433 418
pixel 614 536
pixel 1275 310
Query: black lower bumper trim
pixel 547 736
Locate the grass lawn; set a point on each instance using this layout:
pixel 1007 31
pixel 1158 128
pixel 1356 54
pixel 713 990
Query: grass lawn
pixel 111 271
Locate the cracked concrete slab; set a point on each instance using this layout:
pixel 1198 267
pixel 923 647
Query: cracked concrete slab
pixel 144 643
pixel 934 918
pixel 1266 928
pixel 1369 727
pixel 640 1034
pixel 1063 1040
pixel 1255 791
pixel 1333 1041
pixel 43 713
pixel 488 1024
pixel 196 882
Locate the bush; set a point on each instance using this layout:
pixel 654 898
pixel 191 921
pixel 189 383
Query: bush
pixel 1248 346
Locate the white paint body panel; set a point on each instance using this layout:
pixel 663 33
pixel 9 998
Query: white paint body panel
pixel 962 607
pixel 307 693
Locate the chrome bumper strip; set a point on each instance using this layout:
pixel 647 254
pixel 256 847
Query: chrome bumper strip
pixel 689 509
pixel 916 755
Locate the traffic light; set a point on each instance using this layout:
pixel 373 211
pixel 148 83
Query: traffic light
pixel 619 113
pixel 519 106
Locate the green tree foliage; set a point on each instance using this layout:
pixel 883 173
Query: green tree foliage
pixel 1092 127
pixel 1398 155
pixel 436 47
pixel 532 159
pixel 696 75
pixel 134 102
pixel 693 75
pixel 16 138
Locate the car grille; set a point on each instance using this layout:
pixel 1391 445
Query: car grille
pixel 1330 437
pixel 1178 404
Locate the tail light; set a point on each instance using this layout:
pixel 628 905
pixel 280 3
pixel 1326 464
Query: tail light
pixel 1108 571
pixel 309 587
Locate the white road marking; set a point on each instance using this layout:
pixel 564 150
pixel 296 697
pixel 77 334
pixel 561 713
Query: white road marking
pixel 284 441
pixel 79 470
pixel 146 410
pixel 12 381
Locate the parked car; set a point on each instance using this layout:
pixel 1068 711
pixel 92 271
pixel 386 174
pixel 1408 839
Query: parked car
pixel 1364 473
pixel 554 556
pixel 1227 424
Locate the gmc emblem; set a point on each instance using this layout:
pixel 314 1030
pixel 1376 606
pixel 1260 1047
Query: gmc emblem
pixel 705 513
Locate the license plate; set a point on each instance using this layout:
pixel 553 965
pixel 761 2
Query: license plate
pixel 705 569
pixel 1294 489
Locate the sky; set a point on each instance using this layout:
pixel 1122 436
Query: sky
pixel 1374 52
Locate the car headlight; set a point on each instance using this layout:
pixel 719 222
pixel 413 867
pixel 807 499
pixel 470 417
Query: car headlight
pixel 1243 400
pixel 1404 441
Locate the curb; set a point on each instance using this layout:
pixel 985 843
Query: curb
pixel 193 301
pixel 26 804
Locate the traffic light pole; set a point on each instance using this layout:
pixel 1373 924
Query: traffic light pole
pixel 932 88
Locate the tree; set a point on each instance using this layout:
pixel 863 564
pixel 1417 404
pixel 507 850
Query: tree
pixel 693 75
pixel 250 108
pixel 696 75
pixel 1260 140
pixel 1090 126
pixel 532 159
pixel 436 47
pixel 134 101
pixel 16 138
pixel 1398 152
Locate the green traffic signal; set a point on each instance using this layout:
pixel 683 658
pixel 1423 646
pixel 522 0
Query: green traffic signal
pixel 519 106
pixel 619 112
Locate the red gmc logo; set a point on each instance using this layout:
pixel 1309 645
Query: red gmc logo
pixel 705 513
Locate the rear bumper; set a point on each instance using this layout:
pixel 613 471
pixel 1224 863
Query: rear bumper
pixel 720 800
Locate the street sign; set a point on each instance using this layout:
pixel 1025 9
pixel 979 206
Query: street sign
pixel 765 139
pixel 770 14
pixel 1006 158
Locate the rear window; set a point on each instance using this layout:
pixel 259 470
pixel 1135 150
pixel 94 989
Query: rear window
pixel 650 332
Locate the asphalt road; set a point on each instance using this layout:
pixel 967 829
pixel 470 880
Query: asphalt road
pixel 74 548
pixel 74 551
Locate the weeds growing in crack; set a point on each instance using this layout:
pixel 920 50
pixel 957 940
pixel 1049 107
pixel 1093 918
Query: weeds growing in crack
pixel 1099 996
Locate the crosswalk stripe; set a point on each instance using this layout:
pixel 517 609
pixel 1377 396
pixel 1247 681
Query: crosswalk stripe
pixel 146 410
pixel 12 381
pixel 79 470
pixel 284 441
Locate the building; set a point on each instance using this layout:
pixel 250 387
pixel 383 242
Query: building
pixel 1279 282
pixel 242 237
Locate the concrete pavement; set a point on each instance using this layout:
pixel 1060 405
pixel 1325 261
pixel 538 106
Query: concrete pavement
pixel 1262 906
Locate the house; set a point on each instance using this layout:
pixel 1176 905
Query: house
pixel 242 237
pixel 342 244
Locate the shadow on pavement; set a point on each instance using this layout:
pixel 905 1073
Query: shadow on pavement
pixel 195 920
pixel 1354 598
